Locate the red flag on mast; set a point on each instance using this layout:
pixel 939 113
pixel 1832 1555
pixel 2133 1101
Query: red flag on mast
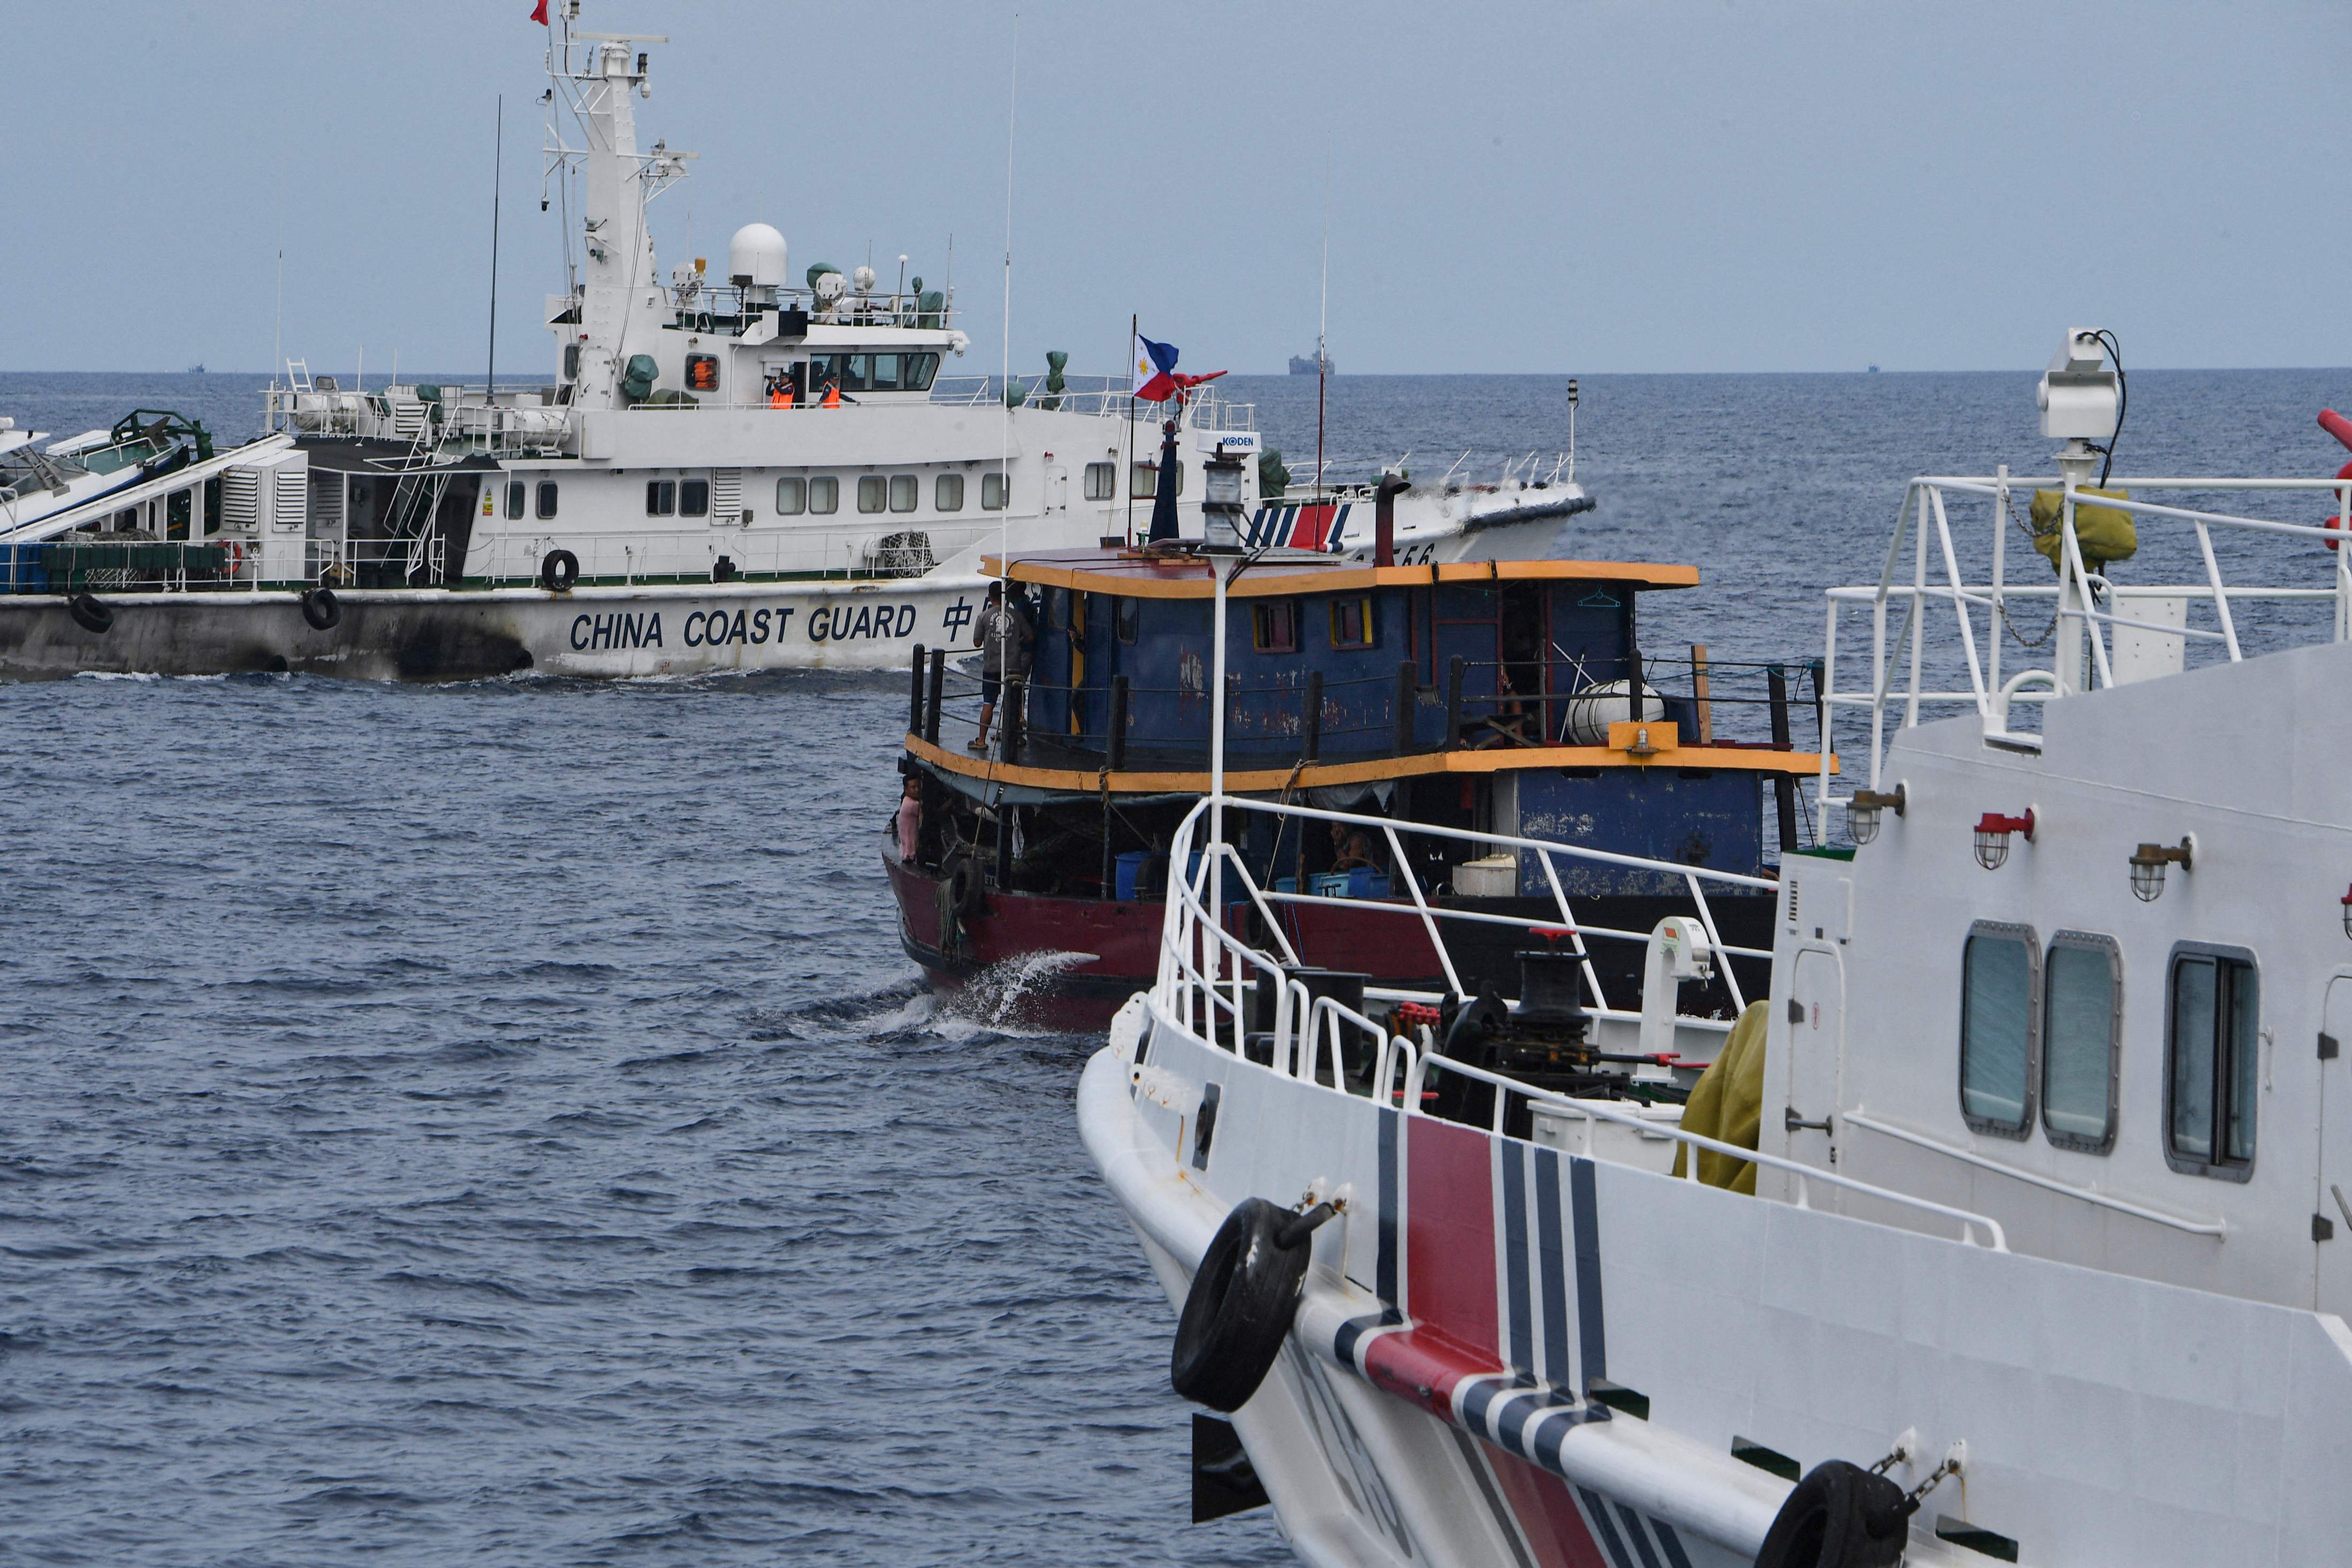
pixel 538 12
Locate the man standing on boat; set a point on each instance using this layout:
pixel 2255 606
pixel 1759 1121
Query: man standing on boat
pixel 1004 637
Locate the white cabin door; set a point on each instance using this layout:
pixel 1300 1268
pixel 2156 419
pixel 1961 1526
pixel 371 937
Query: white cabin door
pixel 1816 1052
pixel 2333 1202
pixel 1057 489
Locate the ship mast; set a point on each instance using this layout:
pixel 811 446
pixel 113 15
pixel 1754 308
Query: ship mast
pixel 1323 321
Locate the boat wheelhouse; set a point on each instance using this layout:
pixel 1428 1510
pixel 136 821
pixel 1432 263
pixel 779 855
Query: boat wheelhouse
pixel 2011 1223
pixel 1491 696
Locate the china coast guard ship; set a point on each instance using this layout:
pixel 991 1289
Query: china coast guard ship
pixel 731 470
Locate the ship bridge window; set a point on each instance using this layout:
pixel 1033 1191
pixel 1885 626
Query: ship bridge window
pixel 1351 622
pixel 546 499
pixel 845 371
pixel 874 372
pixel 661 497
pixel 2212 1058
pixel 1102 480
pixel 694 497
pixel 1125 619
pixel 992 492
pixel 824 494
pixel 902 492
pixel 2082 1014
pixel 2000 979
pixel 948 494
pixel 792 497
pixel 873 492
pixel 515 488
pixel 1145 481
pixel 1274 626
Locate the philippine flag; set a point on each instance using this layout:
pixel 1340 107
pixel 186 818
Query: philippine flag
pixel 1155 370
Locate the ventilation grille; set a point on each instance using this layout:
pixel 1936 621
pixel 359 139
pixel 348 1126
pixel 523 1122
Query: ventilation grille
pixel 241 500
pixel 727 496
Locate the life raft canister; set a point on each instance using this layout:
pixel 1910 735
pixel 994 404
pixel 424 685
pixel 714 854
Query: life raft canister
pixel 1840 1516
pixel 1244 1296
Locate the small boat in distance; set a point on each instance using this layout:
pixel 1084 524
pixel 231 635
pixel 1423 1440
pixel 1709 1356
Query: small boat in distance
pixel 1304 364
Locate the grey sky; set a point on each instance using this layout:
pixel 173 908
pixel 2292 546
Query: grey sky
pixel 1515 187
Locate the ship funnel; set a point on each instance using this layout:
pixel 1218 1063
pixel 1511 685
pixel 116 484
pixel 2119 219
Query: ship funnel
pixel 755 262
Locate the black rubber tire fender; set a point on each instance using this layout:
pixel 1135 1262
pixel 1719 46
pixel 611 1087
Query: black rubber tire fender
pixel 965 886
pixel 1838 1516
pixel 90 613
pixel 558 572
pixel 1238 1311
pixel 1477 1022
pixel 321 609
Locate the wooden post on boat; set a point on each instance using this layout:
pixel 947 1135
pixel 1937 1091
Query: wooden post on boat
pixel 1408 693
pixel 1633 694
pixel 1784 788
pixel 1115 738
pixel 1016 694
pixel 1453 701
pixel 1311 730
pixel 1699 691
pixel 915 697
pixel 1383 517
pixel 938 689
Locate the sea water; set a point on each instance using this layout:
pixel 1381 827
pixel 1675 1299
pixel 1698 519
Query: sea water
pixel 496 1122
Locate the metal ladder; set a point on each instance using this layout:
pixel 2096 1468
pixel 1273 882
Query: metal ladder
pixel 416 499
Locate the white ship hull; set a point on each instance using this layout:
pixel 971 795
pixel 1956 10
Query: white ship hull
pixel 434 634
pixel 2030 1234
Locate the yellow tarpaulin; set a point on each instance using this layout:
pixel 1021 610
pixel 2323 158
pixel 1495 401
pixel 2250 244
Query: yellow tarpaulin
pixel 2105 532
pixel 1726 1104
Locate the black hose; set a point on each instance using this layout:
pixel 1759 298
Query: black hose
pixel 2123 401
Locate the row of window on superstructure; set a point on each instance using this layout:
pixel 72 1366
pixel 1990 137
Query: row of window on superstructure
pixel 795 495
pixel 1142 483
pixel 809 380
pixel 2042 1039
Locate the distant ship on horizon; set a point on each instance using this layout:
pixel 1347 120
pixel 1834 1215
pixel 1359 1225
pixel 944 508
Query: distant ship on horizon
pixel 1304 364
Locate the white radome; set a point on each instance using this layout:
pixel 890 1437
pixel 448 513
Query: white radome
pixel 757 254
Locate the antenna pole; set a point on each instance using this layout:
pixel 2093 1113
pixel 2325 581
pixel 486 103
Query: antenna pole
pixel 497 190
pixel 278 330
pixel 1134 337
pixel 1323 323
pixel 1004 425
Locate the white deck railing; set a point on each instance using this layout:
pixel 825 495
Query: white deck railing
pixel 1209 1003
pixel 2090 612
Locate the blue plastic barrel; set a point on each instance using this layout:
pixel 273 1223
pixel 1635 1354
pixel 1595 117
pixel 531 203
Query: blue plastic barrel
pixel 1126 868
